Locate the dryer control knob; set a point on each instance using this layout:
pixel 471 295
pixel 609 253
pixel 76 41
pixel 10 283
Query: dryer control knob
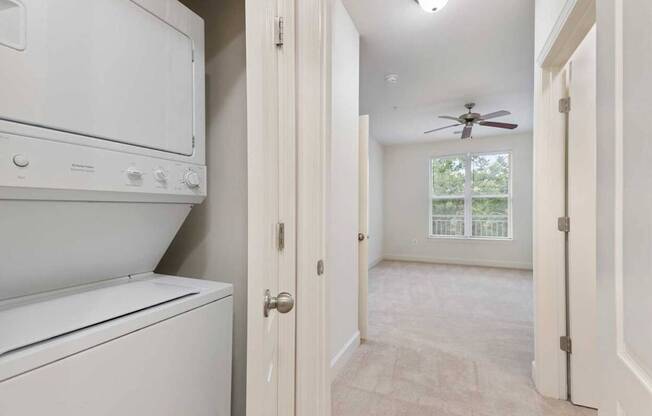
pixel 21 161
pixel 191 179
pixel 134 173
pixel 161 175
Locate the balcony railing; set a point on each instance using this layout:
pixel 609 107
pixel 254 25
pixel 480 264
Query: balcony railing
pixel 489 226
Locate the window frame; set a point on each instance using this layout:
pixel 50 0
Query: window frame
pixel 468 196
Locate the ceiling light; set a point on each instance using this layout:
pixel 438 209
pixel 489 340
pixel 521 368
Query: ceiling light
pixel 432 6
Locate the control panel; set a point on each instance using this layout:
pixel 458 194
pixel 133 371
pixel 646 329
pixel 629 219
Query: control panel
pixel 38 164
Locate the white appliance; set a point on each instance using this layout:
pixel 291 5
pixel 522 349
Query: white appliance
pixel 101 159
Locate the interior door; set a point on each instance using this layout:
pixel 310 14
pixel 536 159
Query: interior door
pixel 584 375
pixel 271 142
pixel 624 206
pixel 363 221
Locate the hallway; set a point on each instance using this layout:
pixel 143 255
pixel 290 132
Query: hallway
pixel 447 341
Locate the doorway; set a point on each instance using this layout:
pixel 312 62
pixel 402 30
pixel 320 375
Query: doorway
pixel 421 258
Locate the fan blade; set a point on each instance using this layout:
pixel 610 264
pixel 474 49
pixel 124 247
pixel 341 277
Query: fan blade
pixel 441 128
pixel 466 133
pixel 499 125
pixel 495 114
pixel 450 118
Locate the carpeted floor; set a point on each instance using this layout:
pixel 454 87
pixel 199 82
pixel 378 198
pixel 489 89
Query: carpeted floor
pixel 446 341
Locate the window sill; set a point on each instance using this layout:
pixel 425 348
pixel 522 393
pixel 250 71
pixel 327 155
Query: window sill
pixel 464 238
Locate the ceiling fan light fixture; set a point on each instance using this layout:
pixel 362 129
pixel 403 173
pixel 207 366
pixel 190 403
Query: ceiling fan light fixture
pixel 432 6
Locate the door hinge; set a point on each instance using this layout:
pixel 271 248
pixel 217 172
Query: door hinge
pixel 280 236
pixel 565 105
pixel 278 31
pixel 565 344
pixel 563 224
pixel 320 267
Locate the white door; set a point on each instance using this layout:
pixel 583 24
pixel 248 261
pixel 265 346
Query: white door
pixel 363 221
pixel 584 374
pixel 272 249
pixel 625 206
pixel 287 127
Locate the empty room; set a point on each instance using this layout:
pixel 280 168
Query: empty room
pixel 466 285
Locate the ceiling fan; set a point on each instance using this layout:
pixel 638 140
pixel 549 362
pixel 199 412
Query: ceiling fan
pixel 470 119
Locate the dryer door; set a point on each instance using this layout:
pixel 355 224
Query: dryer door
pixel 107 69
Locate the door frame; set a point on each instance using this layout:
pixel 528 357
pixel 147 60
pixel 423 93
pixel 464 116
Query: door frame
pixel 363 220
pixel 313 123
pixel 549 368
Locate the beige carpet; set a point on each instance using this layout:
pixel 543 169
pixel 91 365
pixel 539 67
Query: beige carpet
pixel 446 341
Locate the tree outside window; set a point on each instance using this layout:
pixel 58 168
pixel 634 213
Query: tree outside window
pixel 471 196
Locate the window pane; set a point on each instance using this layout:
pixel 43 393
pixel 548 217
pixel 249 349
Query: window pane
pixel 491 174
pixel 447 217
pixel 448 176
pixel 490 217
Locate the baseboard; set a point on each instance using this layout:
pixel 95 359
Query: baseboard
pixel 375 262
pixel 460 262
pixel 344 355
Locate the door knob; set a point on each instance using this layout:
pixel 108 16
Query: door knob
pixel 362 237
pixel 283 303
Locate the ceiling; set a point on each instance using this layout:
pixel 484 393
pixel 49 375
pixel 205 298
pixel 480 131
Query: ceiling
pixel 472 50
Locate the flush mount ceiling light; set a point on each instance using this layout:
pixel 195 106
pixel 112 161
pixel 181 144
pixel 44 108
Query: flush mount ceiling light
pixel 432 6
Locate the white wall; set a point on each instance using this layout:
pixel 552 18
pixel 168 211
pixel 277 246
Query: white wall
pixel 376 208
pixel 406 177
pixel 342 230
pixel 212 243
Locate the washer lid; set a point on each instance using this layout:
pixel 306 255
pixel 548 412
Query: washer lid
pixel 28 324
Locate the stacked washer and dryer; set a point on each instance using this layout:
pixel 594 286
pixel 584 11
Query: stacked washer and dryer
pixel 102 157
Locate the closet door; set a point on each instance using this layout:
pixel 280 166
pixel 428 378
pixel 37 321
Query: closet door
pixel 272 160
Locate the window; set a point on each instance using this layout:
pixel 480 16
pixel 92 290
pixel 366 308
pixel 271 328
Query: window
pixel 471 196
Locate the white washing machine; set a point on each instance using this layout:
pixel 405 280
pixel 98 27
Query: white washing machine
pixel 146 345
pixel 101 159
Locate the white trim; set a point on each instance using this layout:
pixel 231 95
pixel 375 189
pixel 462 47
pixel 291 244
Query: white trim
pixel 575 19
pixel 460 262
pixel 619 187
pixel 344 355
pixel 555 32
